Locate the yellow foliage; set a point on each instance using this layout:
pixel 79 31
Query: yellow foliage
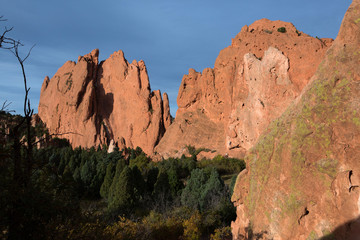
pixel 192 227
pixel 222 234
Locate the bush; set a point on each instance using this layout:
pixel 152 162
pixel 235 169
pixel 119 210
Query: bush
pixel 192 227
pixel 152 227
pixel 191 195
pixel 224 165
pixel 223 233
pixel 282 29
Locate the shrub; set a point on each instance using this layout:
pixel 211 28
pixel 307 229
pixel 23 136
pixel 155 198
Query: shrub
pixel 191 195
pixel 223 233
pixel 192 227
pixel 282 29
pixel 268 31
pixel 223 165
pixel 110 172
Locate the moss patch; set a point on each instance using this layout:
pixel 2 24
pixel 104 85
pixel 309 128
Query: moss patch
pixel 327 166
pixel 312 236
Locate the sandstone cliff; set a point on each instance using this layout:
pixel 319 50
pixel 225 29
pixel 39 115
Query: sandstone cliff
pixel 253 81
pixel 92 103
pixel 303 176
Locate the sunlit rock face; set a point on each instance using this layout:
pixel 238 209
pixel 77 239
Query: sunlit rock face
pixel 303 174
pixel 92 103
pixel 253 81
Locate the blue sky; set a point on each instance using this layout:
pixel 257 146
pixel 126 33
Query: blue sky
pixel 170 36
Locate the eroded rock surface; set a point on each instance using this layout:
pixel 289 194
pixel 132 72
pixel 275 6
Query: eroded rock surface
pixel 91 104
pixel 303 175
pixel 253 81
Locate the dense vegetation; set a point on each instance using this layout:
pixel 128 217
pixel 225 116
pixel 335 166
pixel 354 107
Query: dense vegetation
pixel 91 194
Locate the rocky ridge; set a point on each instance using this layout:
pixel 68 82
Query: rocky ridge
pixel 92 103
pixel 253 81
pixel 303 175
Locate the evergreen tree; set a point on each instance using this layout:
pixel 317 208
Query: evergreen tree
pixel 120 165
pixel 162 186
pixel 121 195
pixel 139 183
pixel 109 176
pixel 151 179
pixel 174 182
pixel 191 195
pixel 162 192
pixel 89 177
pixel 141 161
pixel 213 191
pixel 76 175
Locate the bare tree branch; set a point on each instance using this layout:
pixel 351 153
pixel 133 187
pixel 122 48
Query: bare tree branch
pixel 13 45
pixel 5 107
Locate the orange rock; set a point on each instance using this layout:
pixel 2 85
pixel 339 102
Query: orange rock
pixel 91 103
pixel 252 83
pixel 303 175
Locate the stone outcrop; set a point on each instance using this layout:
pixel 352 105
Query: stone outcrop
pixel 303 175
pixel 92 103
pixel 253 81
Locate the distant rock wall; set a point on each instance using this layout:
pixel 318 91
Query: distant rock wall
pixel 92 103
pixel 302 177
pixel 226 108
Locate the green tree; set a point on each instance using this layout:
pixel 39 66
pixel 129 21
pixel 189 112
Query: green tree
pixel 126 190
pixel 141 161
pixel 121 194
pixel 191 195
pixel 151 179
pixel 139 183
pixel 174 182
pixel 109 176
pixel 212 192
pixel 162 193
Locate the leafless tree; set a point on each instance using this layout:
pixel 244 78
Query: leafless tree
pixel 23 165
pixel 13 45
pixel 5 107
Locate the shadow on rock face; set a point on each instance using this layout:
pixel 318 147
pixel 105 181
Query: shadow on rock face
pixel 105 106
pixel 105 102
pixel 348 231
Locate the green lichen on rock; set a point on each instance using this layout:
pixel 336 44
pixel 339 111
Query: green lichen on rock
pixel 312 236
pixel 295 162
pixel 290 204
pixel 356 118
pixel 301 129
pixel 327 166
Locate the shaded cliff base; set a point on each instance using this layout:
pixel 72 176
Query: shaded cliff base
pixel 347 231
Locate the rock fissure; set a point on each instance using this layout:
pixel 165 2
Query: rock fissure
pixel 351 186
pixel 306 212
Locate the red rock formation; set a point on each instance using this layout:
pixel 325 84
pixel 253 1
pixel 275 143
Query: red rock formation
pixel 92 103
pixel 253 81
pixel 303 176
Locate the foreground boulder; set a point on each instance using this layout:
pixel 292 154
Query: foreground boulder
pixel 92 103
pixel 303 175
pixel 253 81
